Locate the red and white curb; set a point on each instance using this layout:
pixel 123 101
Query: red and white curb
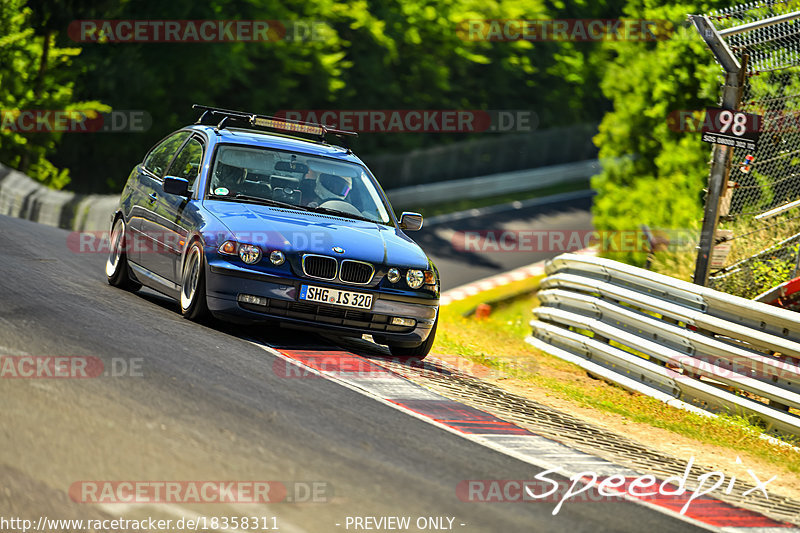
pixel 371 379
pixel 518 274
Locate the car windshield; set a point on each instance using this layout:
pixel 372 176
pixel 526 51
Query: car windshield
pixel 296 179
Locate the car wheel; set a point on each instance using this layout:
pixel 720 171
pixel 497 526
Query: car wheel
pixel 193 284
pixel 117 262
pixel 416 352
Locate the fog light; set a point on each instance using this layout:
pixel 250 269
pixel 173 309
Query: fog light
pixel 255 300
pixel 393 275
pixel 415 278
pixel 277 258
pixel 249 254
pixel 399 321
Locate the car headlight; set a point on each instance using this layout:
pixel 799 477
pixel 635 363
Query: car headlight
pixel 276 257
pixel 415 278
pixel 249 253
pixel 393 275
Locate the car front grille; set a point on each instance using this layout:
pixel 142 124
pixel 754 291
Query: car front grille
pixel 356 272
pixel 318 266
pixel 327 315
pixel 323 267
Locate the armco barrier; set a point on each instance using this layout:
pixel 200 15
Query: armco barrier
pixel 494 185
pixel 673 340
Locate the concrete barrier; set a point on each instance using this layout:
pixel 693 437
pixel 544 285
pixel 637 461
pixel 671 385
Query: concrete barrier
pixel 22 197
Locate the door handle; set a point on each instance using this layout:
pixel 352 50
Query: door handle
pixel 153 197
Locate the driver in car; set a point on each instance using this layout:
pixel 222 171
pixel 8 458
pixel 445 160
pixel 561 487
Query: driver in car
pixel 326 188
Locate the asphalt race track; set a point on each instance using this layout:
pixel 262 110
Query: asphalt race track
pixel 202 402
pixel 460 263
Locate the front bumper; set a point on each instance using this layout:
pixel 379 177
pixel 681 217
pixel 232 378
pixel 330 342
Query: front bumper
pixel 225 282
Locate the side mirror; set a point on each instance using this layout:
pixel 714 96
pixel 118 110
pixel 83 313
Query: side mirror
pixel 410 221
pixel 174 185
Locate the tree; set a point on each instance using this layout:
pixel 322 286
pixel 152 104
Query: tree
pixel 374 54
pixel 653 174
pixel 33 80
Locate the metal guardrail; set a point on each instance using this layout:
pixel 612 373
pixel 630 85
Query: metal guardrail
pixel 684 344
pixel 493 185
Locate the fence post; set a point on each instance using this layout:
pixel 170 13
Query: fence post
pixel 721 160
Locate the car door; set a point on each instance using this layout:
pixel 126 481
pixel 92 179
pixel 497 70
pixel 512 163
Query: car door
pixel 179 212
pixel 149 218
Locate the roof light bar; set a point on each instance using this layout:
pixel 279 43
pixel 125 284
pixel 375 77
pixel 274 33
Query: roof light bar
pixel 211 114
pixel 278 124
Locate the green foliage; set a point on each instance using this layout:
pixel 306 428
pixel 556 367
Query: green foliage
pixel 372 54
pixel 31 80
pixel 375 54
pixel 770 273
pixel 760 273
pixel 652 174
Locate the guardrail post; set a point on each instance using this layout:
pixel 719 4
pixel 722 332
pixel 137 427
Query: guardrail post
pixel 721 160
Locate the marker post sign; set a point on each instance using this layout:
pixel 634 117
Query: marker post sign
pixel 731 128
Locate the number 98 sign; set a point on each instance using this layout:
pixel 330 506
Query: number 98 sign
pixel 731 128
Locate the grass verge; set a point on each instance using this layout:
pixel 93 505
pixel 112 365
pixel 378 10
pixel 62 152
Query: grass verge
pixel 498 343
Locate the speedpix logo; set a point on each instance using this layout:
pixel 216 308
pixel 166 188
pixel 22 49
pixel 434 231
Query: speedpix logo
pixel 588 486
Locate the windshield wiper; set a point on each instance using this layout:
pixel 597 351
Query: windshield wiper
pixel 270 201
pixel 344 214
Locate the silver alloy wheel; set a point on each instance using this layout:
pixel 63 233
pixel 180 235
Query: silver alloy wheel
pixel 115 248
pixel 191 277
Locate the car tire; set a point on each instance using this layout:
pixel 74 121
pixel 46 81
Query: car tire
pixel 117 262
pixel 416 352
pixel 193 284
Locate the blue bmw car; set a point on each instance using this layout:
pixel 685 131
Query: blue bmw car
pixel 254 219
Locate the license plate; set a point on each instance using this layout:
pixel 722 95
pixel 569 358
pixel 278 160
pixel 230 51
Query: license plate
pixel 323 295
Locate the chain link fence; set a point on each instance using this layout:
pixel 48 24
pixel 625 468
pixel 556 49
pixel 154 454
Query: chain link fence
pixel 762 231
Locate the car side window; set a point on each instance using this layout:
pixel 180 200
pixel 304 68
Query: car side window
pixel 160 156
pixel 187 164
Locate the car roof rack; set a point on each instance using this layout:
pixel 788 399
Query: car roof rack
pixel 220 118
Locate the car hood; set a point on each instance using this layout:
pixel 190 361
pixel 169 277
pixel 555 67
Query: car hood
pixel 291 231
